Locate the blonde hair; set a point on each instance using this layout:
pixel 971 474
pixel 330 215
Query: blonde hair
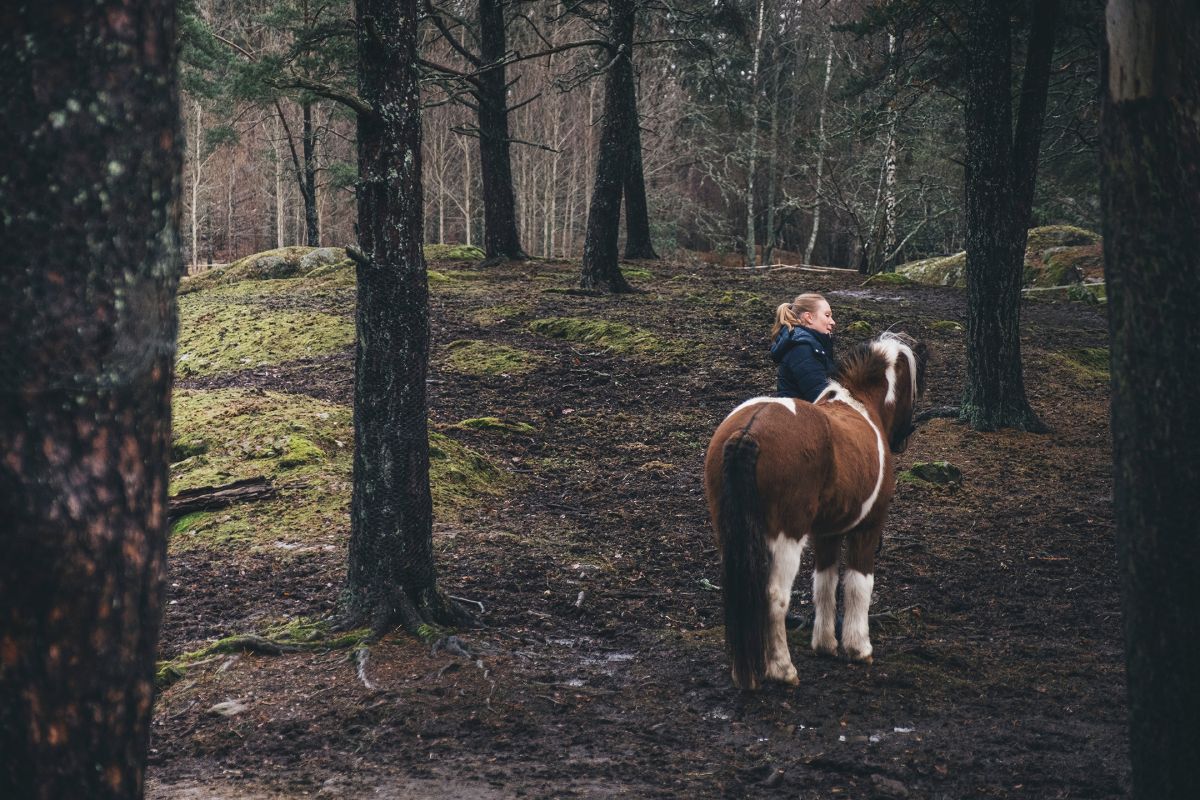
pixel 788 314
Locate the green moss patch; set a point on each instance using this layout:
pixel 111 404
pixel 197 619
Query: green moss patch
pixel 485 358
pixel 1089 363
pixel 637 274
pixel 453 252
pixel 947 326
pixel 492 424
pixel 615 336
pixel 939 473
pixel 219 335
pixel 460 476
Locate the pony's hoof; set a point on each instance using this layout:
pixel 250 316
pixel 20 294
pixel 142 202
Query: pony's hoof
pixel 825 648
pixel 859 657
pixel 788 676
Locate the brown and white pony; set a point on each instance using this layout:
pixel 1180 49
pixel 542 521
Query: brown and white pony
pixel 781 474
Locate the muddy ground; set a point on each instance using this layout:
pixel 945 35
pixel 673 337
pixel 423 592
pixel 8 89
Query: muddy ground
pixel 598 669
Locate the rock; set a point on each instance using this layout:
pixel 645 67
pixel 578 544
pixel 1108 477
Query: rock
pixel 889 787
pixel 229 708
pixel 321 257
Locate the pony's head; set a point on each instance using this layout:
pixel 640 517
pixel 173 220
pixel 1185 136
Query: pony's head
pixel 888 373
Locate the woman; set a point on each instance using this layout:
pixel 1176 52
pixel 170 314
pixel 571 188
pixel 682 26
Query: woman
pixel 802 346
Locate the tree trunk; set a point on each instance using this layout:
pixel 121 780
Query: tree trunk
pixel 500 236
pixel 87 317
pixel 601 269
pixel 279 204
pixel 1150 142
pixel 886 259
pixel 816 221
pixel 751 248
pixel 995 392
pixel 638 243
pixel 391 577
pixel 196 165
pixel 311 225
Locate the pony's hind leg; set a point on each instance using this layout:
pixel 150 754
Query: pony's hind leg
pixel 785 562
pixel 857 585
pixel 825 581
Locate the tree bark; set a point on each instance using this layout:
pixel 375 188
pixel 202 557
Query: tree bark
pixel 1150 190
pixel 638 243
pixel 821 145
pixel 391 577
pixel 91 191
pixel 311 225
pixel 601 269
pixel 995 392
pixel 500 236
pixel 751 249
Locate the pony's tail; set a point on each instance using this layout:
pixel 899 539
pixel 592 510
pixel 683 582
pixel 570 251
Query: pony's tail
pixel 746 562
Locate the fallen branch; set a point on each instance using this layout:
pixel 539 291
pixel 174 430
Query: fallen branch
pixel 207 498
pixel 800 267
pixel 938 412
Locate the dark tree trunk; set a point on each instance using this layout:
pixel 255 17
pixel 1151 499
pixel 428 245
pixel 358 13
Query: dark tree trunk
pixel 89 203
pixel 995 392
pixel 311 224
pixel 638 243
pixel 391 577
pixel 500 236
pixel 601 269
pixel 1150 146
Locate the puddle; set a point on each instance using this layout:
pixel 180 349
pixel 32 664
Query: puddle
pixel 864 294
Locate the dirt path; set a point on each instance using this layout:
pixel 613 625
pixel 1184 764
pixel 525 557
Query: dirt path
pixel 600 670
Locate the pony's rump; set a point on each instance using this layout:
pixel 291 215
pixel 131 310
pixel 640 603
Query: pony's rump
pixel 745 560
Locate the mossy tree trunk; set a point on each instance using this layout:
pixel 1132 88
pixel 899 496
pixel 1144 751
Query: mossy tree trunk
pixel 391 577
pixel 1150 146
pixel 1000 175
pixel 89 113
pixel 601 268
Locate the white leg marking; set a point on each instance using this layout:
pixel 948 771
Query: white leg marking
pixel 785 555
pixel 786 402
pixel 824 638
pixel 856 637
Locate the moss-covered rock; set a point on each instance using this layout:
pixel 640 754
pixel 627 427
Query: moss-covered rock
pixel 219 332
pixel 1054 255
pixel 453 252
pixel 940 271
pixel 1039 239
pixel 305 446
pixel 947 326
pixel 486 358
pixel 860 327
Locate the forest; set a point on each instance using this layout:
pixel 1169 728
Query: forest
pixel 389 405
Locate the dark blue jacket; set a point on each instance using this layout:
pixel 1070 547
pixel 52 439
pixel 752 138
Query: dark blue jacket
pixel 805 360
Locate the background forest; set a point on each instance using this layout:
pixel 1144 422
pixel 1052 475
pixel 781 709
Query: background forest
pixel 832 130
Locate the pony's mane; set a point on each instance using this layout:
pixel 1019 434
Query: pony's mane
pixel 862 367
pixel 866 365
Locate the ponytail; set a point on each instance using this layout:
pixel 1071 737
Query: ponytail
pixel 787 315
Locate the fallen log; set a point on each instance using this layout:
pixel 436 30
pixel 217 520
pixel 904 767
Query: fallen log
pixel 207 498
